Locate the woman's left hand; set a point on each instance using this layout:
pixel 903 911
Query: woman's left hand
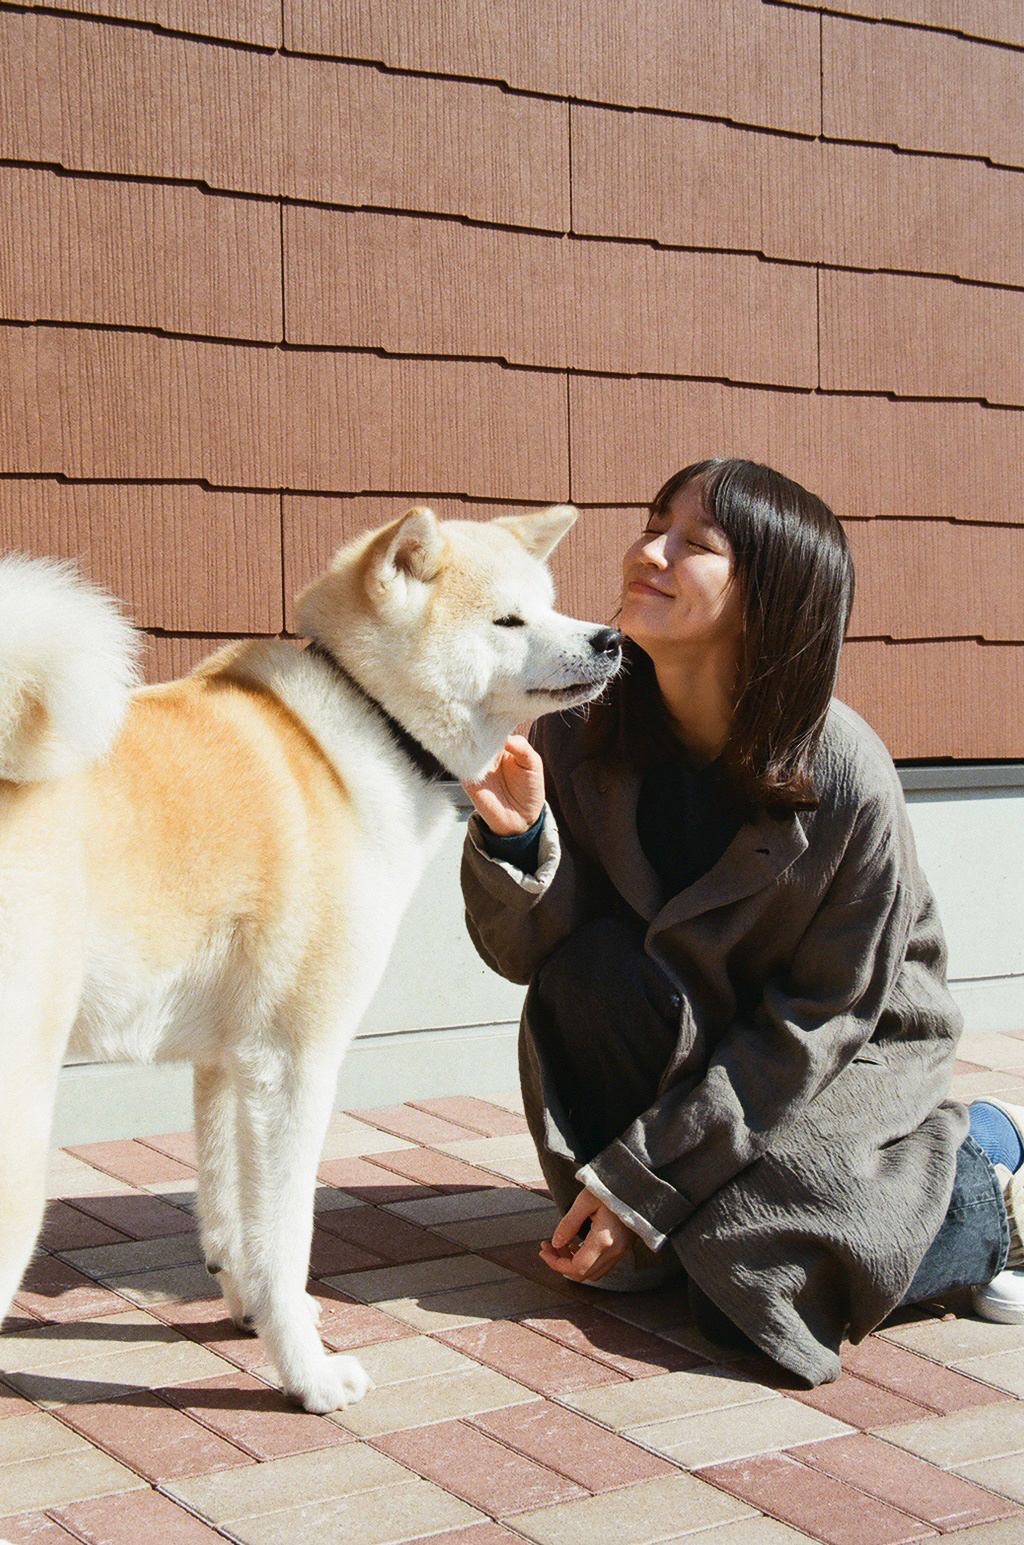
pixel 606 1242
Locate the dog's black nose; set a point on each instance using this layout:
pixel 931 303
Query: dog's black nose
pixel 606 641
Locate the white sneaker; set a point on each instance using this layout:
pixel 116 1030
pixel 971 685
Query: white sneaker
pixel 1002 1299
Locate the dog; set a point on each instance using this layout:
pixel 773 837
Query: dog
pixel 213 870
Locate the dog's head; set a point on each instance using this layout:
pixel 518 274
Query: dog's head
pixel 451 626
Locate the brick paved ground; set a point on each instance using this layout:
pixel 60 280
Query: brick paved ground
pixel 505 1408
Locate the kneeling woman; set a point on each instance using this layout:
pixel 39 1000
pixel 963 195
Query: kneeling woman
pixel 737 1042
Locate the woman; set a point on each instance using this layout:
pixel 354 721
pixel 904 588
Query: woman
pixel 737 1042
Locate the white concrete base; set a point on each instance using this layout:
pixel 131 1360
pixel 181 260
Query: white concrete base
pixel 969 828
pixel 97 1102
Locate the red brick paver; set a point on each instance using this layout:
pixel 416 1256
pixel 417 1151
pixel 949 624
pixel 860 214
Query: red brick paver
pixel 579 1449
pixel 477 1115
pixel 414 1124
pixel 69 1228
pixel 152 1438
pixel 630 1351
pixel 828 1509
pixel 132 1161
pixel 894 1476
pixel 140 1518
pixel 861 1403
pixel 253 1417
pixel 441 1171
pixel 534 1360
pixel 388 1238
pixel 138 1215
pixel 917 1378
pixel 55 1291
pixel 478 1469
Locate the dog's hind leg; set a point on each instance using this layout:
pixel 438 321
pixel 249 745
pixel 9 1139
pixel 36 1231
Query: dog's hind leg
pixel 35 1020
pixel 217 1191
pixel 24 1140
pixel 284 1103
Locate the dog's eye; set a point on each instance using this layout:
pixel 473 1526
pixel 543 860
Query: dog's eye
pixel 509 622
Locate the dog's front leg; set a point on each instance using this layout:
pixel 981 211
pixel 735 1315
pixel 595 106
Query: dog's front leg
pixel 284 1102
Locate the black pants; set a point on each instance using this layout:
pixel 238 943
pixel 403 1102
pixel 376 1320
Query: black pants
pixel 611 1022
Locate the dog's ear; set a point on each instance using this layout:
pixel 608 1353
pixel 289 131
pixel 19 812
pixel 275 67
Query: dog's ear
pixel 417 547
pixel 541 530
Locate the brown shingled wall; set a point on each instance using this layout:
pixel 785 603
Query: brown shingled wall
pixel 270 272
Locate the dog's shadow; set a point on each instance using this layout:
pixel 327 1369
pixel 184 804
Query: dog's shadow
pixel 203 1322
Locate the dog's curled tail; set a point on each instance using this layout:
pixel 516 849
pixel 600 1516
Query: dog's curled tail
pixel 68 660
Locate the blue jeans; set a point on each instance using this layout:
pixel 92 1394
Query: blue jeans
pixel 972 1245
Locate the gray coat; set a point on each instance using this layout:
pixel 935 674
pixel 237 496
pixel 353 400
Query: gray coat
pixel 800 1153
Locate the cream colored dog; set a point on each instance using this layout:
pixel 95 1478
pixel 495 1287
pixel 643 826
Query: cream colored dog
pixel 214 870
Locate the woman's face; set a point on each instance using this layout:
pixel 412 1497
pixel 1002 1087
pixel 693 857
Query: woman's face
pixel 678 588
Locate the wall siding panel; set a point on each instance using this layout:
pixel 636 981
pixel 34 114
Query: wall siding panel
pixel 356 136
pixel 120 100
pixel 966 96
pixel 866 456
pixel 138 255
pixel 124 100
pixel 688 183
pixel 921 337
pixel 412 286
pixel 937 579
pixel 937 700
pixel 680 55
pixel 996 21
pixel 266 418
pixel 168 656
pixel 180 557
pixel 241 21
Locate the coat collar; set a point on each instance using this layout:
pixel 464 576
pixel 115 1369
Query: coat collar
pixel 761 850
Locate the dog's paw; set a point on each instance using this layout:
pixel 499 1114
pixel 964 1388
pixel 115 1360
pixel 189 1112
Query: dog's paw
pixel 233 1302
pixel 342 1382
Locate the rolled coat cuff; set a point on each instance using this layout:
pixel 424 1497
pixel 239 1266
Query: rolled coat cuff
pixel 651 1236
pixel 621 1175
pixel 497 874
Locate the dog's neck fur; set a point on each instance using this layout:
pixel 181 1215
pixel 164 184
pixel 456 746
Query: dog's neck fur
pixel 424 761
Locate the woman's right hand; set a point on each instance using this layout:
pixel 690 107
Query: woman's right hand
pixel 510 796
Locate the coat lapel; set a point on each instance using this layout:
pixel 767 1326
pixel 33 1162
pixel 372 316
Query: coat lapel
pixel 607 798
pixel 761 850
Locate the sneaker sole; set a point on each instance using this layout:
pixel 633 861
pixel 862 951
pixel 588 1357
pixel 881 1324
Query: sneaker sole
pixel 999 1311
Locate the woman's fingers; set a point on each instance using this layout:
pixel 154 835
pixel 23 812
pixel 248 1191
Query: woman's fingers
pixel 569 1226
pixel 510 795
pixel 606 1242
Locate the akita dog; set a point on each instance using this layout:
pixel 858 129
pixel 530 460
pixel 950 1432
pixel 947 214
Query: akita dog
pixel 214 870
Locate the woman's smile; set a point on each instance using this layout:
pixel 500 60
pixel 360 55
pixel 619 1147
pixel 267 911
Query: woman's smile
pixel 644 587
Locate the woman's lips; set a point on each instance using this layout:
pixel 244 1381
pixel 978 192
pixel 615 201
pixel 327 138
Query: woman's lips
pixel 643 587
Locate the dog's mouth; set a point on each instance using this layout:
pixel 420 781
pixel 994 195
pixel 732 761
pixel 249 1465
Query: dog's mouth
pixel 574 689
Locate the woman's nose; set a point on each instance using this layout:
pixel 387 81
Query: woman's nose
pixel 652 551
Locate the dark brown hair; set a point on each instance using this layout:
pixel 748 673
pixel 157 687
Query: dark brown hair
pixel 795 576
